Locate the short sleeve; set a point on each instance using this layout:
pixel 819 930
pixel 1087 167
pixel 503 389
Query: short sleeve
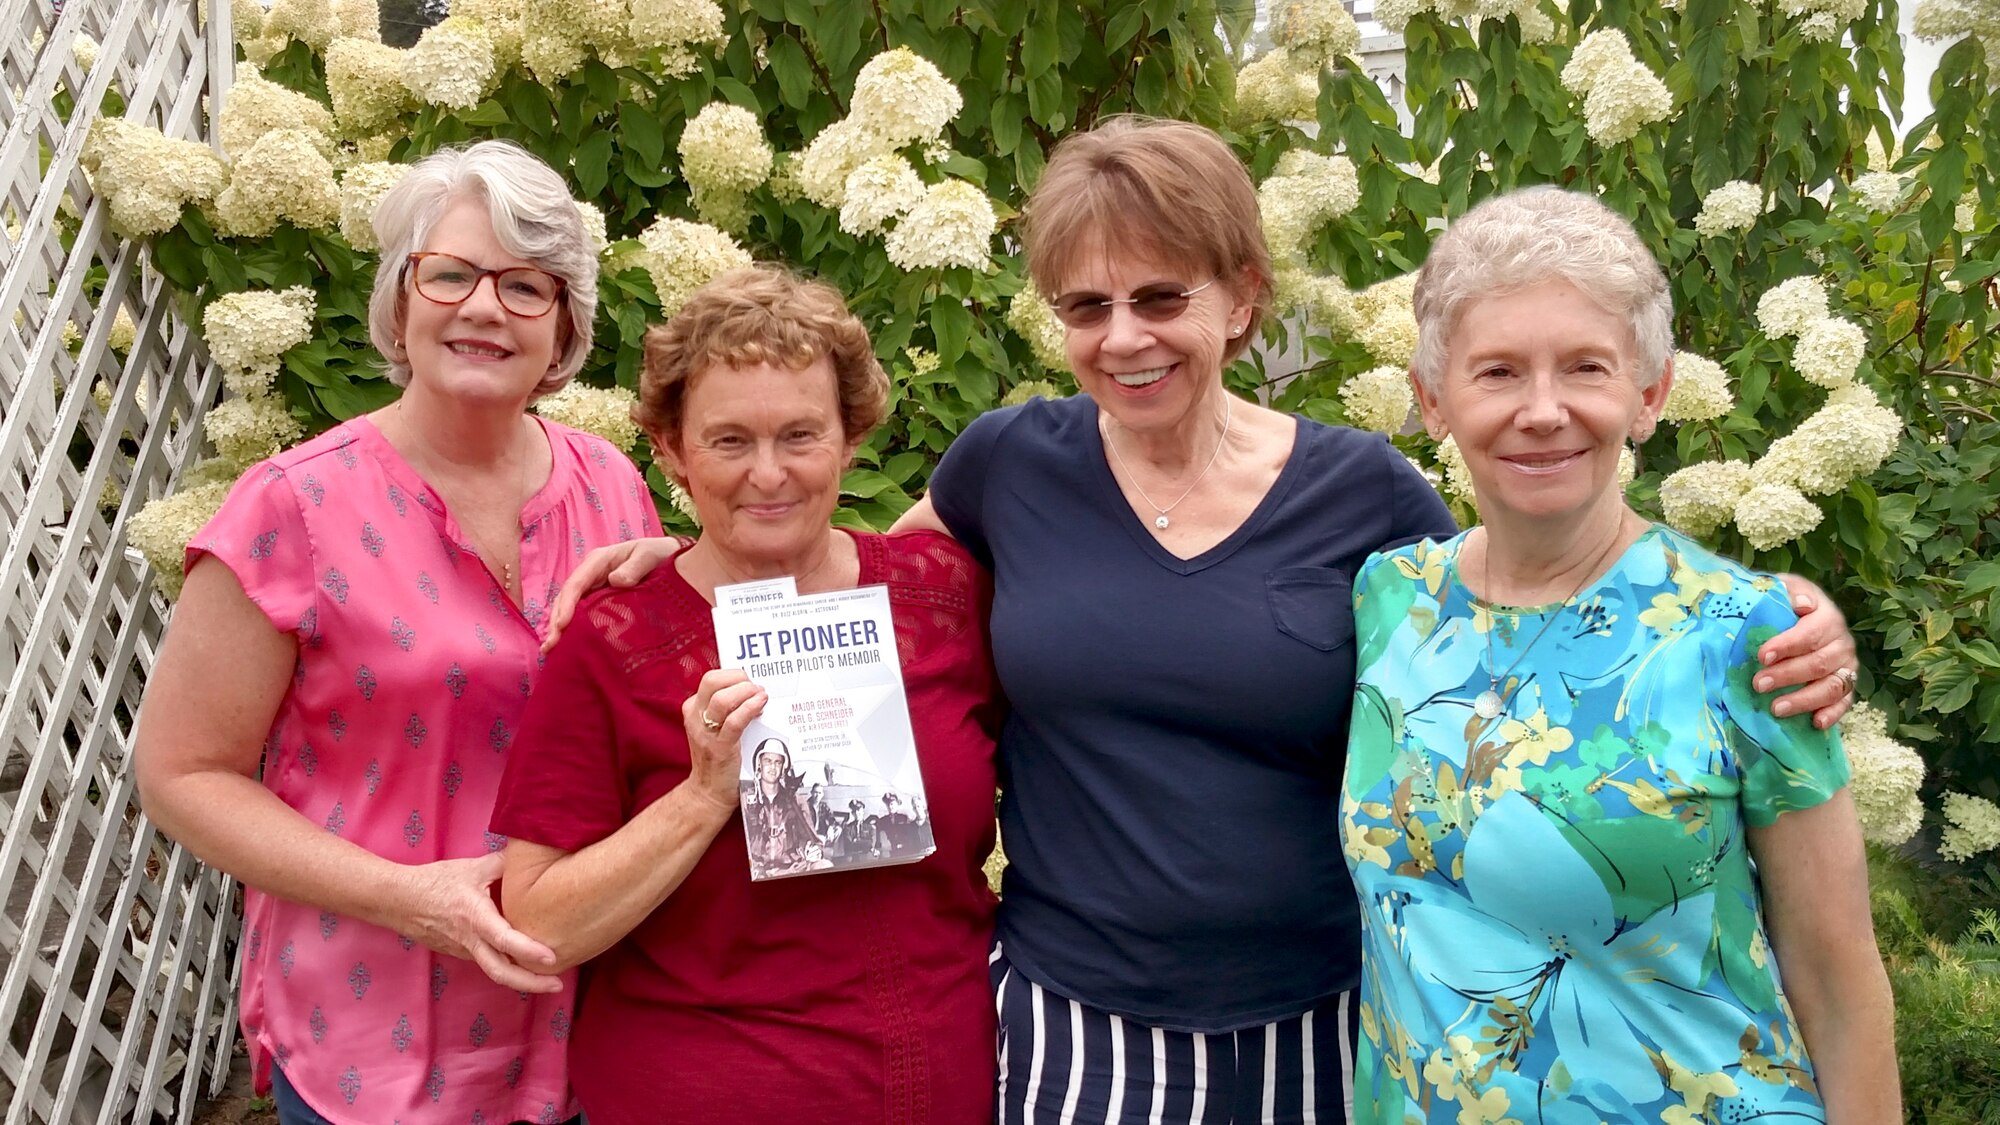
pixel 260 535
pixel 563 785
pixel 1783 764
pixel 958 485
pixel 1417 512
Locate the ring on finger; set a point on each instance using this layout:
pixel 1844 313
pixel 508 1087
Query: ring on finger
pixel 1847 677
pixel 712 724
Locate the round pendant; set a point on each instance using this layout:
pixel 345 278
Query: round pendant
pixel 1487 706
pixel 1160 521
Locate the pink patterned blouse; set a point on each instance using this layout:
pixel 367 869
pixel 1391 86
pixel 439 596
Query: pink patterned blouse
pixel 413 670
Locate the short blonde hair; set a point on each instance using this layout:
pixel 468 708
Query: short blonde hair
pixel 1525 237
pixel 1169 189
pixel 760 314
pixel 534 218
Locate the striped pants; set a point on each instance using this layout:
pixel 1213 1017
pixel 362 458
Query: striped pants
pixel 1063 1062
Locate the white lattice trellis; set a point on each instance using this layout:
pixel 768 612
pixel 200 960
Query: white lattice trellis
pixel 116 947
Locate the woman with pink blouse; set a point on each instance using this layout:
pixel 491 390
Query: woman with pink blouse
pixel 336 698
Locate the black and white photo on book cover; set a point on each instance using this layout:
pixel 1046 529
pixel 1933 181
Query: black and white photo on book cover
pixel 830 778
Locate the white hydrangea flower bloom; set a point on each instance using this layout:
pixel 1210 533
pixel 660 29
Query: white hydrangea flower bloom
pixel 148 178
pixel 1379 399
pixel 902 98
pixel 1390 336
pixel 1022 392
pixel 1699 498
pixel 255 106
pixel 821 170
pixel 362 186
pixel 453 64
pixel 1964 216
pixel 312 22
pixel 674 24
pixel 1033 319
pixel 952 225
pixel 248 428
pixel 1395 15
pixel 1972 826
pixel 248 332
pixel 1537 26
pixel 923 361
pixel 123 333
pixel 246 20
pixel 283 176
pixel 594 228
pixel 1770 515
pixel 1887 777
pixel 501 20
pixel 1823 20
pixel 1274 87
pixel 553 36
pixel 1829 351
pixel 162 530
pixel 1848 438
pixel 1820 27
pixel 1316 31
pixel 881 189
pixel 1623 101
pixel 1787 308
pixel 1736 205
pixel 723 149
pixel 1700 392
pixel 1878 191
pixel 682 257
pixel 1601 52
pixel 1457 478
pixel 359 19
pixel 724 210
pixel 606 412
pixel 365 81
pixel 1303 192
pixel 84 50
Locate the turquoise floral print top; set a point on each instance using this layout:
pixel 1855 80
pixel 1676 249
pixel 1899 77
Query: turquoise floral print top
pixel 1561 924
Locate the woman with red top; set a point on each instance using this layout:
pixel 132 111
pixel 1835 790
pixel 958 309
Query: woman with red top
pixel 851 996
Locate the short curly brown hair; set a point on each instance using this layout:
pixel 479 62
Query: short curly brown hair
pixel 760 314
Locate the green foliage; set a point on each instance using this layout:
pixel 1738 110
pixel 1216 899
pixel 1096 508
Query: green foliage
pixel 1944 965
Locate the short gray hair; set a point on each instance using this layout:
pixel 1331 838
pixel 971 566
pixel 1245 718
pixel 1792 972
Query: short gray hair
pixel 534 218
pixel 1530 236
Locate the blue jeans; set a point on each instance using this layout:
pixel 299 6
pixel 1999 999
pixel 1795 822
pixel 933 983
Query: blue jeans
pixel 293 1110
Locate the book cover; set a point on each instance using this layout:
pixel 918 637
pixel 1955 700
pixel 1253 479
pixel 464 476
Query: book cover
pixel 830 778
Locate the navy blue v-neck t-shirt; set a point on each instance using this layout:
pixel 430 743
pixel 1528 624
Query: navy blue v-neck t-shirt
pixel 1170 768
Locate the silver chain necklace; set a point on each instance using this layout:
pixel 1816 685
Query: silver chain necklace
pixel 1161 521
pixel 1492 701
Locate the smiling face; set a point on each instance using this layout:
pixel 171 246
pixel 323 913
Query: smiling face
pixel 761 452
pixel 476 350
pixel 1540 387
pixel 1151 374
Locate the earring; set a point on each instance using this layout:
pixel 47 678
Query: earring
pixel 1236 330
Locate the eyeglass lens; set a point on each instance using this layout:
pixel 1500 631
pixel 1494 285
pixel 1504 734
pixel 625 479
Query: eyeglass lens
pixel 1154 303
pixel 523 290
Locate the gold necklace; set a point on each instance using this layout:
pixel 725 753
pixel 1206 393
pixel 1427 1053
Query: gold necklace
pixel 1161 521
pixel 422 463
pixel 1492 701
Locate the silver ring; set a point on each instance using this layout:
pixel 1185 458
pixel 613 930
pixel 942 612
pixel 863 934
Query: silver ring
pixel 1847 677
pixel 711 724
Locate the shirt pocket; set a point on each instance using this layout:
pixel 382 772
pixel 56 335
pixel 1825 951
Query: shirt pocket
pixel 1312 605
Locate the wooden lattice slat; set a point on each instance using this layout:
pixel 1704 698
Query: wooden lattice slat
pixel 116 947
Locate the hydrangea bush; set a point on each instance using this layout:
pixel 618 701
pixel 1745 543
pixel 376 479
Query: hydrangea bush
pixel 1833 270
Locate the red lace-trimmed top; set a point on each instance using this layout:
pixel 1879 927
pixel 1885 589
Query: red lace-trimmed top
pixel 855 996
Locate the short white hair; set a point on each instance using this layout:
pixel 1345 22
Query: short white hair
pixel 1523 238
pixel 533 216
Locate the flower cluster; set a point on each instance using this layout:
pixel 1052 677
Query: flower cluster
pixel 1033 319
pixel 255 106
pixel 501 20
pixel 1620 95
pixel 248 332
pixel 1972 825
pixel 1878 191
pixel 1887 775
pixel 1700 392
pixel 148 178
pixel 951 226
pixel 1302 194
pixel 1735 205
pixel 362 186
pixel 1771 514
pixel 453 64
pixel 162 529
pixel 1022 392
pixel 601 411
pixel 1787 308
pixel 1323 301
pixel 312 22
pixel 557 35
pixel 365 81
pixel 1823 20
pixel 902 98
pixel 724 156
pixel 1457 478
pixel 1848 438
pixel 1536 25
pixel 682 257
pixel 283 176
pixel 84 49
pixel 596 234
pixel 1275 87
pixel 1698 499
pixel 249 428
pixel 1965 215
pixel 1384 322
pixel 1316 32
pixel 1378 399
pixel 1829 351
pixel 878 191
pixel 1944 19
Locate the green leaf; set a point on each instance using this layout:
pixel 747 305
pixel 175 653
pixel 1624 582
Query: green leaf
pixel 1948 686
pixel 951 325
pixel 1123 25
pixel 866 483
pixel 1005 122
pixel 639 129
pixel 225 270
pixel 1028 162
pixel 794 70
pixel 593 164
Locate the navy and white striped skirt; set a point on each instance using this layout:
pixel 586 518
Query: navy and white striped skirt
pixel 1063 1062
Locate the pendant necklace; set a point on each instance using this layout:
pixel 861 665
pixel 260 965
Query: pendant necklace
pixel 1161 521
pixel 1491 702
pixel 422 463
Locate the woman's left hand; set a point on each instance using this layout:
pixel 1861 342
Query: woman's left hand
pixel 1817 656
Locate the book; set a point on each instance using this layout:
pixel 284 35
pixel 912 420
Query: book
pixel 830 779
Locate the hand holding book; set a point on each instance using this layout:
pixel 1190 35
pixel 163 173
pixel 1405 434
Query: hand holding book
pixel 715 715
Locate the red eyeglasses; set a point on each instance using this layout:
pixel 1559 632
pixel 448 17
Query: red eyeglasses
pixel 447 280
